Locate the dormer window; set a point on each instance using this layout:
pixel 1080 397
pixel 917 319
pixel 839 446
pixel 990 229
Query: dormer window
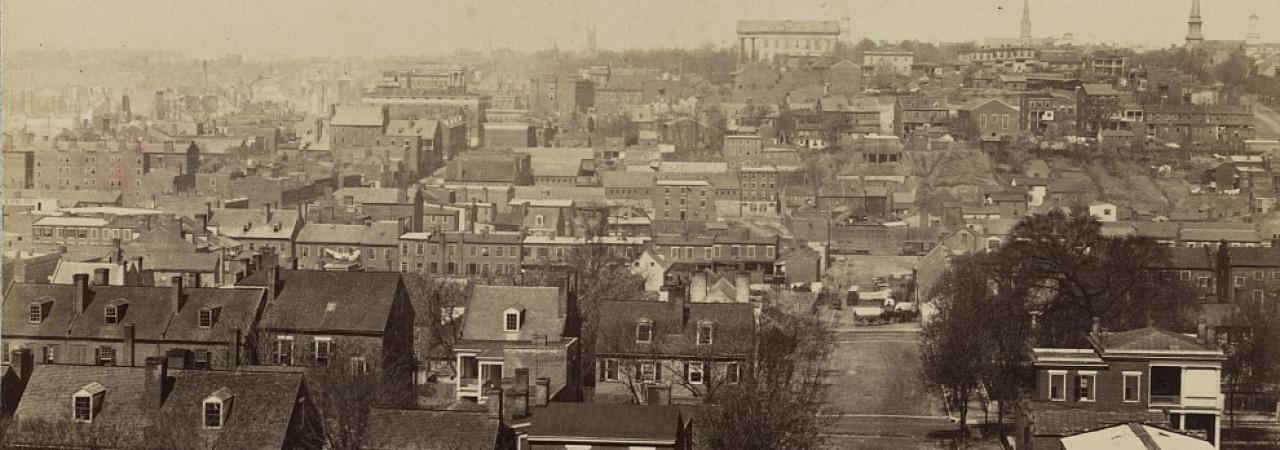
pixel 35 313
pixel 215 408
pixel 705 333
pixel 644 331
pixel 512 319
pixel 539 221
pixel 206 317
pixel 112 313
pixel 86 402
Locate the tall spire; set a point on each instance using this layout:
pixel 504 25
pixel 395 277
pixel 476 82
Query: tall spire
pixel 1193 25
pixel 1026 19
pixel 1253 35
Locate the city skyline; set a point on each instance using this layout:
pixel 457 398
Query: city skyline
pixel 414 28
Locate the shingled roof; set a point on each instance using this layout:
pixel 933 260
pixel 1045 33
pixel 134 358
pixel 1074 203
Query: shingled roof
pixel 1152 340
pixel 311 300
pixel 431 430
pixel 258 418
pixel 542 309
pixel 1054 420
pixel 607 422
pixel 733 325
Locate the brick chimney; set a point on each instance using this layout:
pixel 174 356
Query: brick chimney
pixel 742 287
pixel 1097 327
pixel 495 404
pixel 21 361
pixel 80 295
pixel 129 346
pixel 273 283
pixel 518 395
pixel 233 360
pixel 542 391
pixel 1202 331
pixel 153 390
pixel 178 358
pixel 179 297
pixel 101 277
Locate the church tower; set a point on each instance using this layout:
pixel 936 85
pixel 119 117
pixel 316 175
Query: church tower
pixel 1194 37
pixel 1026 20
pixel 1253 37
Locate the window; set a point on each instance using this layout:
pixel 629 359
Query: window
pixel 610 372
pixel 201 360
pixel 106 356
pixel 511 320
pixel 539 221
pixel 1239 281
pixel 1258 275
pixel 694 374
pixel 322 350
pixel 644 332
pixel 1132 386
pixel 1087 386
pixel 1057 386
pixel 1185 275
pixel 732 373
pixel 705 333
pixel 35 313
pixel 83 407
pixel 358 365
pixel 206 318
pixel 706 253
pixel 283 353
pixel 648 371
pixel 112 313
pixel 768 252
pixel 213 413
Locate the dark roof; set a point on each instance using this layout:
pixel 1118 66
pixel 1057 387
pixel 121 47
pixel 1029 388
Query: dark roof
pixel 1255 256
pixel 430 430
pixel 1054 420
pixel 1192 258
pixel 312 300
pixel 1153 340
pixel 543 310
pixel 258 417
pixel 606 421
pixel 733 335
pixel 150 309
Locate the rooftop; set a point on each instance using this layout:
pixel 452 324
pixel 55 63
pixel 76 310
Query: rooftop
pixel 607 422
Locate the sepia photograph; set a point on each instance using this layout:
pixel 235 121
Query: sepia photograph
pixel 640 225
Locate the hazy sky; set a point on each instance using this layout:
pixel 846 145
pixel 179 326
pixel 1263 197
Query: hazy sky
pixel 257 28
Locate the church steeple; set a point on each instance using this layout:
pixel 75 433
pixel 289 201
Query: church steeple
pixel 1253 35
pixel 1026 19
pixel 1193 25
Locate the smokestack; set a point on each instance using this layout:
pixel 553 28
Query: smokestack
pixel 153 386
pixel 80 294
pixel 178 298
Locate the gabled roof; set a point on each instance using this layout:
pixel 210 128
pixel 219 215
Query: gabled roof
pixel 151 309
pixel 381 233
pixel 362 195
pixel 1055 420
pixel 66 269
pixel 314 300
pixel 258 418
pixel 1219 234
pixel 542 309
pixel 357 116
pixel 1255 256
pixel 1099 89
pixel 607 422
pixel 391 429
pixel 231 223
pixel 404 127
pixel 1185 258
pixel 734 328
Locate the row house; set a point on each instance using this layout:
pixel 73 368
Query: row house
pixel 672 351
pixel 1254 273
pixel 160 405
pixel 89 230
pixel 371 246
pixel 1209 124
pixel 547 251
pixel 859 116
pixel 461 254
pixel 1047 114
pixel 91 322
pixel 761 189
pixel 361 321
pixel 743 150
pixel 74 165
pixel 683 204
pixel 1191 266
pixel 1096 106
pixel 1149 375
pixel 730 251
pixel 518 332
pixel 1014 59
pixel 355 205
pixel 913 113
pixel 257 229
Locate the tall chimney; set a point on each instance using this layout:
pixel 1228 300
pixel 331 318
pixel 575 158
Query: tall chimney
pixel 80 295
pixel 495 403
pixel 266 208
pixel 179 299
pixel 273 283
pixel 521 393
pixel 129 349
pixel 101 277
pixel 234 361
pixel 153 386
pixel 22 362
pixel 542 391
pixel 1202 331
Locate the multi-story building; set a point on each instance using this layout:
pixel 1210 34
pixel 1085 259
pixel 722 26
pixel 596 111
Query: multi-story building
pixel 316 318
pixel 1148 375
pixel 1254 273
pixel 445 104
pixel 990 120
pixel 1014 59
pixel 490 168
pixel 911 114
pixel 1097 107
pixel 1192 266
pixel 91 322
pixel 743 150
pixel 258 229
pixel 897 63
pixel 761 191
pixel 764 40
pixel 461 254
pixel 1207 124
pixel 510 328
pixel 564 96
pixel 684 201
pixel 372 246
pixel 431 76
pixel 1047 114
